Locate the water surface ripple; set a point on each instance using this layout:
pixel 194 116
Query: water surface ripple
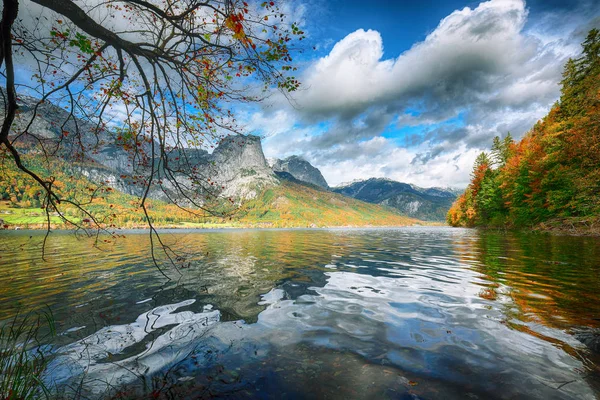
pixel 431 313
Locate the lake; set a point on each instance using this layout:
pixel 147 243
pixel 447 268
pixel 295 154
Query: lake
pixel 406 313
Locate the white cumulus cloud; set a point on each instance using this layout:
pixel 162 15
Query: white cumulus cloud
pixel 481 72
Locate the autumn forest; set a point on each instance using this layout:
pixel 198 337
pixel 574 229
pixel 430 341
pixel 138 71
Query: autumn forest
pixel 552 175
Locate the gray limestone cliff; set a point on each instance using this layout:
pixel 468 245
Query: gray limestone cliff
pixel 236 168
pixel 241 167
pixel 301 170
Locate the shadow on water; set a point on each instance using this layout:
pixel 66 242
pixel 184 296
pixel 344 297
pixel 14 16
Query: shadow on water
pixel 432 313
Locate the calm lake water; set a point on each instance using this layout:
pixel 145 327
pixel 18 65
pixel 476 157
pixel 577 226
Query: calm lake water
pixel 410 313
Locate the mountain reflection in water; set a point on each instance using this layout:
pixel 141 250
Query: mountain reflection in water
pixel 376 313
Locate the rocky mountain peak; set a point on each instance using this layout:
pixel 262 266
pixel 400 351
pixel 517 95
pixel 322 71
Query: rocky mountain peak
pixel 241 166
pixel 237 163
pixel 237 152
pixel 302 170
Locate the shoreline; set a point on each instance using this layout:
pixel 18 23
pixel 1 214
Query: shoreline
pixel 580 227
pixel 210 227
pixel 589 227
pixel 571 227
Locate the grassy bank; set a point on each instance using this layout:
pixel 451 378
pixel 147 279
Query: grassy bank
pixel 289 205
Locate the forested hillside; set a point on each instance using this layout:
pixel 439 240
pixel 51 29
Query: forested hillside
pixel 429 204
pixel 287 204
pixel 22 202
pixel 553 173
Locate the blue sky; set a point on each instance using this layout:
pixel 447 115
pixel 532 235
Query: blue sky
pixel 403 23
pixel 413 91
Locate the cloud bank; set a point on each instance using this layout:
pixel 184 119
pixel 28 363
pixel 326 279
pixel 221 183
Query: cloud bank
pixel 423 116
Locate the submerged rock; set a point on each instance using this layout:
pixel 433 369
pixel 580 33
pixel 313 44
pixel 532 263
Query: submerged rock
pixel 589 337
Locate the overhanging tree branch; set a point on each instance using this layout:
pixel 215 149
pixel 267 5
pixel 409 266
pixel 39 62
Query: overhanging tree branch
pixel 152 94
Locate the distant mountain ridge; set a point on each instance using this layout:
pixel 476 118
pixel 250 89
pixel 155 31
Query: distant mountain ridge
pixel 293 193
pixel 422 203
